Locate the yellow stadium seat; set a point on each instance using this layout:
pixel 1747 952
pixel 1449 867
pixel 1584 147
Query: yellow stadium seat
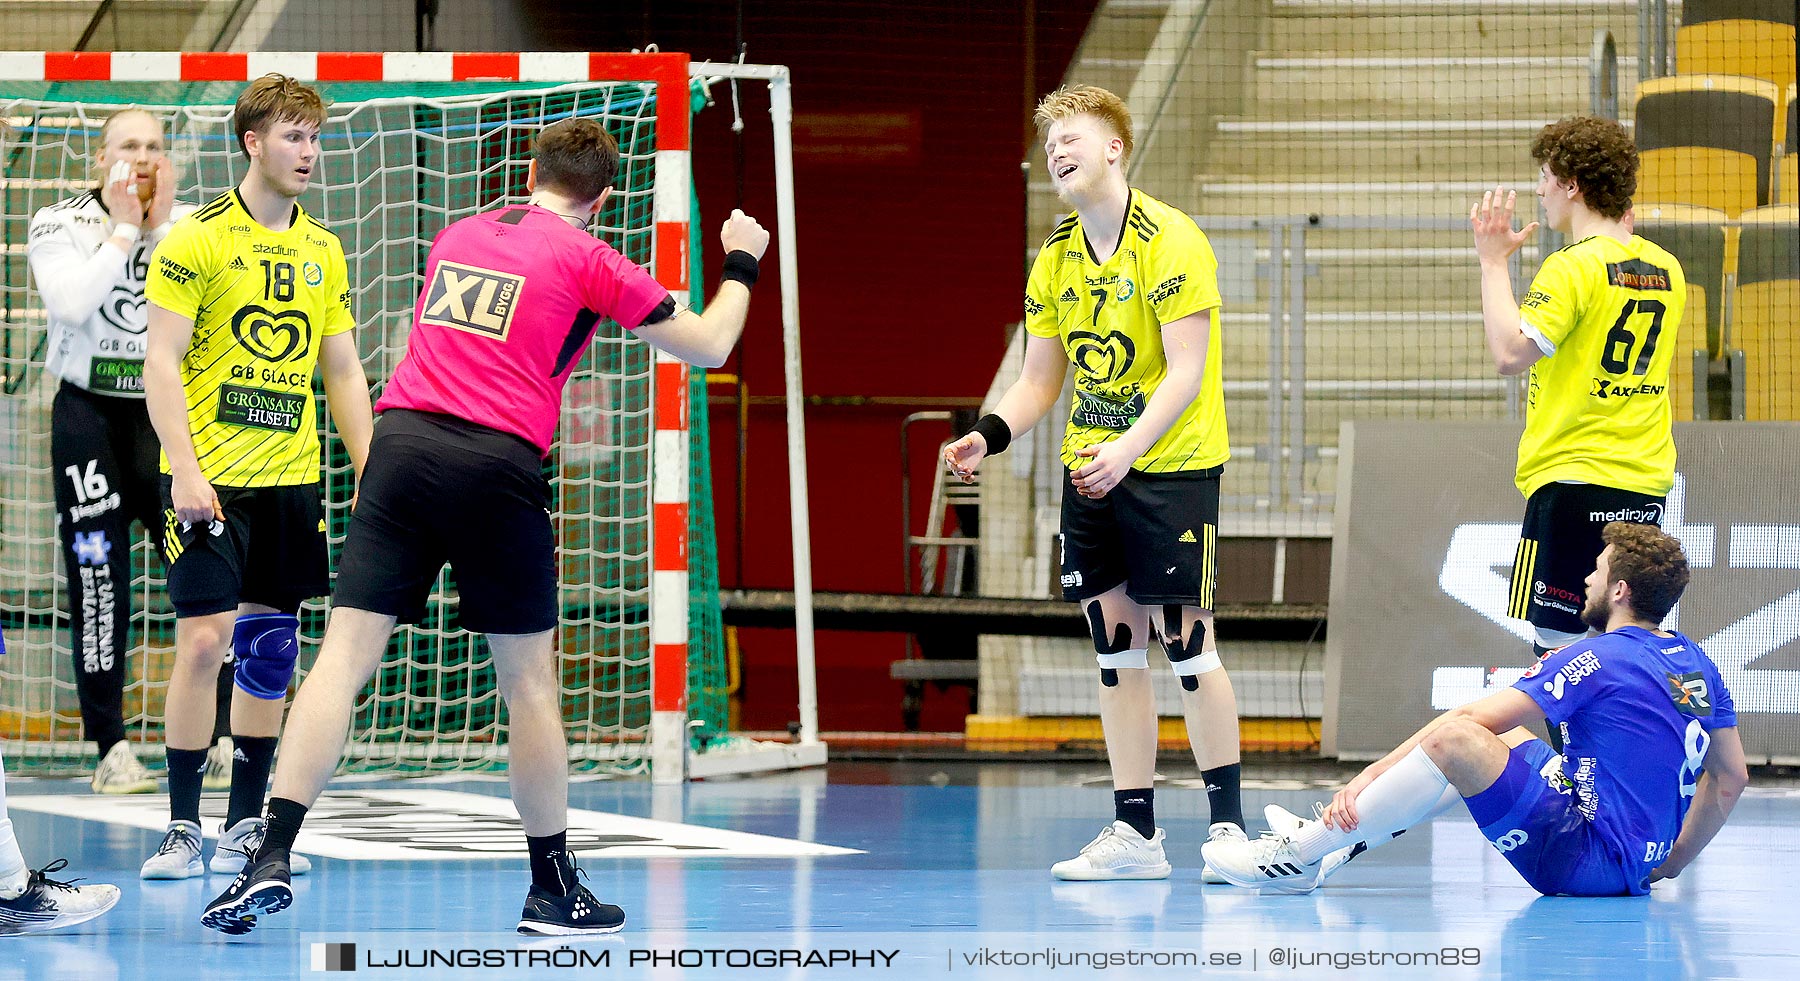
pixel 1706 140
pixel 1696 238
pixel 1756 48
pixel 1765 322
pixel 1705 176
pixel 1787 142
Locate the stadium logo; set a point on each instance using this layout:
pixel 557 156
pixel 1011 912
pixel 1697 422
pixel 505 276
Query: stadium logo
pixel 1105 358
pixel 472 299
pixel 272 336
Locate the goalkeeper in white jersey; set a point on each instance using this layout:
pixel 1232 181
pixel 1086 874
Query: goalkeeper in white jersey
pixel 88 255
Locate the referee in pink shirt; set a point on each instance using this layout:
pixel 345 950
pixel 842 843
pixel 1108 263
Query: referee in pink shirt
pixel 455 474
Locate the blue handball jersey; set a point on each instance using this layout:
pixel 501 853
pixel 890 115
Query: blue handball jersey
pixel 1637 713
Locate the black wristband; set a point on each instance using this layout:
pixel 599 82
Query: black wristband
pixel 997 433
pixel 741 267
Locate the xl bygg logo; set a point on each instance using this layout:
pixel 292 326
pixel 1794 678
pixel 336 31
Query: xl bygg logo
pixel 272 336
pixel 472 299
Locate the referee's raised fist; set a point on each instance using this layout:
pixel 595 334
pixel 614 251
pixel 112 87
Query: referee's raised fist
pixel 742 232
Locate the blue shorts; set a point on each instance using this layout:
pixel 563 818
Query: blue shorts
pixel 1533 819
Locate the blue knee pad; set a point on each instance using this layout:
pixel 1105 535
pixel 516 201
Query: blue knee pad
pixel 267 646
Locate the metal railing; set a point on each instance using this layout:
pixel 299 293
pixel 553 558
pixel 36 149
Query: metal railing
pixel 1287 270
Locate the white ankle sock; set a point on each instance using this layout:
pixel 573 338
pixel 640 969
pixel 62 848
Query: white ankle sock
pixel 12 864
pixel 1409 792
pixel 13 875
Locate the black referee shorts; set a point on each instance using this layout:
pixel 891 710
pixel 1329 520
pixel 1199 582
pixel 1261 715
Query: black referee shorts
pixel 1157 533
pixel 439 489
pixel 1559 543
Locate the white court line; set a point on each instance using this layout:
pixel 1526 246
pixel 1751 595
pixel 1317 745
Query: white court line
pixel 447 825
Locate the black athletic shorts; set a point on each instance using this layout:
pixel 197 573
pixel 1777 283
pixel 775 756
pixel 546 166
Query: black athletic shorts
pixel 270 549
pixel 1559 543
pixel 1158 533
pixel 439 489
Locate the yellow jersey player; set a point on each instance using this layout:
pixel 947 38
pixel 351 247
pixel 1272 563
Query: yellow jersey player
pixel 1596 331
pixel 1126 290
pixel 247 296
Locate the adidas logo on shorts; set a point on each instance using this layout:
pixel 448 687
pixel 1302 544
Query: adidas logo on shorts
pixel 1187 536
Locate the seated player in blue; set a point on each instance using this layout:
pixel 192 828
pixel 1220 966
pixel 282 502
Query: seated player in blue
pixel 1651 763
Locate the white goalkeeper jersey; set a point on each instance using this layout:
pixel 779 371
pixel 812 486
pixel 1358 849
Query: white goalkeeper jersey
pixel 93 294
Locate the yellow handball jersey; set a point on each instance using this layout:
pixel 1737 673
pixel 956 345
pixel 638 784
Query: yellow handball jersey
pixel 1109 316
pixel 1605 313
pixel 261 301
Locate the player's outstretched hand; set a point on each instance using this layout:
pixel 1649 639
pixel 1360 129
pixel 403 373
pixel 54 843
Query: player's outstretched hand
pixel 162 202
pixel 743 233
pixel 1107 465
pixel 1491 219
pixel 965 455
pixel 120 193
pixel 1662 872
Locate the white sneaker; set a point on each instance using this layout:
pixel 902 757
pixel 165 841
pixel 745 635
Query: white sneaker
pixel 1222 831
pixel 218 766
pixel 120 772
pixel 1270 861
pixel 178 857
pixel 47 904
pixel 1285 822
pixel 1118 852
pixel 240 841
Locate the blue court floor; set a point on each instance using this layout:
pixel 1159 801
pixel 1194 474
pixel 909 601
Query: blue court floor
pixel 948 877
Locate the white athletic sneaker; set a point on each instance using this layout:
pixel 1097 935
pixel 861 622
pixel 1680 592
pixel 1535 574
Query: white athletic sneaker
pixel 1222 831
pixel 47 904
pixel 178 857
pixel 218 766
pixel 1286 822
pixel 1118 852
pixel 240 841
pixel 1270 861
pixel 120 772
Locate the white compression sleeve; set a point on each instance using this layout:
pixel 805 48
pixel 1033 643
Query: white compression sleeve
pixel 12 864
pixel 1408 793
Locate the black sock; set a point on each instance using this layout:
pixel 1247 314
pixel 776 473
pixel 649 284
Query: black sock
pixel 284 823
pixel 222 704
pixel 250 766
pixel 552 870
pixel 1224 793
pixel 1136 808
pixel 187 767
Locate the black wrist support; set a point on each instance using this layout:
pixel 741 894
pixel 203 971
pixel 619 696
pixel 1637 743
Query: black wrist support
pixel 740 266
pixel 995 430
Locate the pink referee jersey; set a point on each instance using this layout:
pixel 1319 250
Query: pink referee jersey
pixel 510 302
